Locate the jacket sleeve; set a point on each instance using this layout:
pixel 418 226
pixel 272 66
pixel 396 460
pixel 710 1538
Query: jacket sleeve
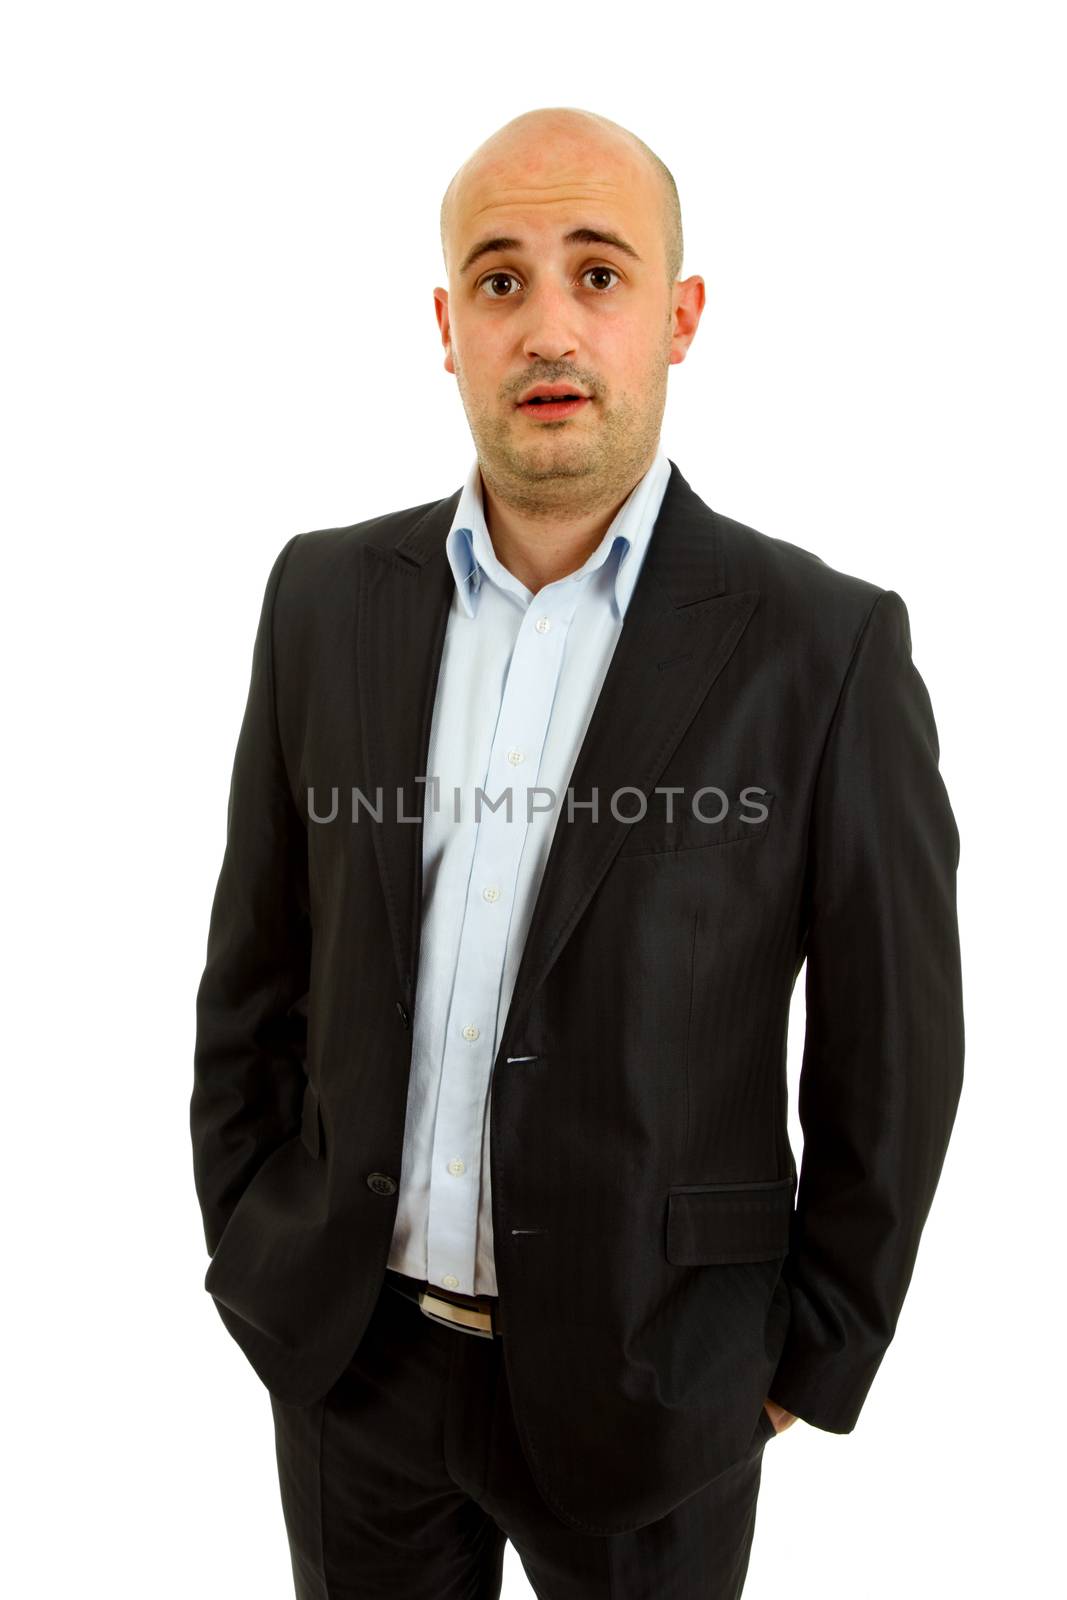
pixel 251 1005
pixel 882 1068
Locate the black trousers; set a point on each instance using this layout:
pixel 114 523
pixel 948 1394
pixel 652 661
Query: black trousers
pixel 406 1481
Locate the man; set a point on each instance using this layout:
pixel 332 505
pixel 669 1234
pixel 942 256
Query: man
pixel 489 1114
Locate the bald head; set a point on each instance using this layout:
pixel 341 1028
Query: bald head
pixel 573 135
pixel 562 239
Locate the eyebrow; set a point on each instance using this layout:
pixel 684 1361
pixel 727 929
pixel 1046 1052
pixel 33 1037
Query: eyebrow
pixel 576 236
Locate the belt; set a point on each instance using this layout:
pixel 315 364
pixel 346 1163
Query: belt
pixel 477 1314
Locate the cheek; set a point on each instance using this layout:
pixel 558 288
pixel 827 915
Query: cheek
pixel 628 351
pixel 482 355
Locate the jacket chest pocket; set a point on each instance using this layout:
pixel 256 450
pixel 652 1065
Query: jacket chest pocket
pixel 717 1224
pixel 720 820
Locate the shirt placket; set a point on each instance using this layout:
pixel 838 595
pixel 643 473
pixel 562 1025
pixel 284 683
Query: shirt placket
pixel 471 1030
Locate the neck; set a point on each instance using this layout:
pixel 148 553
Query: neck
pixel 541 544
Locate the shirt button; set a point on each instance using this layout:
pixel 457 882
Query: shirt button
pixel 542 624
pixel 450 1280
pixel 491 893
pixel 515 756
pixel 456 1166
pixel 470 1031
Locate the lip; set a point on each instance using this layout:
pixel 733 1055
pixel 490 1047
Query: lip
pixel 553 410
pixel 550 390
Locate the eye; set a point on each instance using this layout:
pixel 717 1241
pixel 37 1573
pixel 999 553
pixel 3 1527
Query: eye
pixel 498 277
pixel 610 270
pixel 495 278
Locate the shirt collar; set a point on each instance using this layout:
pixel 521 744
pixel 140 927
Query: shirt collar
pixel 473 559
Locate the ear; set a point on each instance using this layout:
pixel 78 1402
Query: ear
pixel 688 300
pixel 440 303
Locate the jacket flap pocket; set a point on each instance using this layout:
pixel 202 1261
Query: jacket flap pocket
pixel 714 1224
pixel 717 819
pixel 311 1122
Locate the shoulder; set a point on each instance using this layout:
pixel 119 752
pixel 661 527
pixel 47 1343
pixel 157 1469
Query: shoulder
pixel 323 563
pixel 802 598
pixel 788 571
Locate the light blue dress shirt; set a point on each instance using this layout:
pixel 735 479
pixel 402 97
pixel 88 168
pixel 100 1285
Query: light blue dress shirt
pixel 520 676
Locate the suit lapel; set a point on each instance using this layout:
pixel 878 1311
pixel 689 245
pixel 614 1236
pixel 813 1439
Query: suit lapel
pixel 404 598
pixel 680 629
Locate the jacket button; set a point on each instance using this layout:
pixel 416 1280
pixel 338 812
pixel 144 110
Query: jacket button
pixel 381 1183
pixel 401 1011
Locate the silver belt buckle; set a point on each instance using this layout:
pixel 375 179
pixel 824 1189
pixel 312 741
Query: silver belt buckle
pixel 469 1318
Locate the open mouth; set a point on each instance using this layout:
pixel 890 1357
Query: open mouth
pixel 548 407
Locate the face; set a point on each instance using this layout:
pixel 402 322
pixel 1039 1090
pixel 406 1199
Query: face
pixel 562 306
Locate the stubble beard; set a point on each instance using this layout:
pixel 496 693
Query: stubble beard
pixel 578 466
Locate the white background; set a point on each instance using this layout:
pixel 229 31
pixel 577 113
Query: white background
pixel 219 330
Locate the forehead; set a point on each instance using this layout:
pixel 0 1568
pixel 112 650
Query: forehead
pixel 537 193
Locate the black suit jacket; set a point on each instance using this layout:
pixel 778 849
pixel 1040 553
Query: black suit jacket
pixel 661 1268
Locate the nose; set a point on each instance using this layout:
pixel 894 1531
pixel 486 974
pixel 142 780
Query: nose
pixel 550 333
